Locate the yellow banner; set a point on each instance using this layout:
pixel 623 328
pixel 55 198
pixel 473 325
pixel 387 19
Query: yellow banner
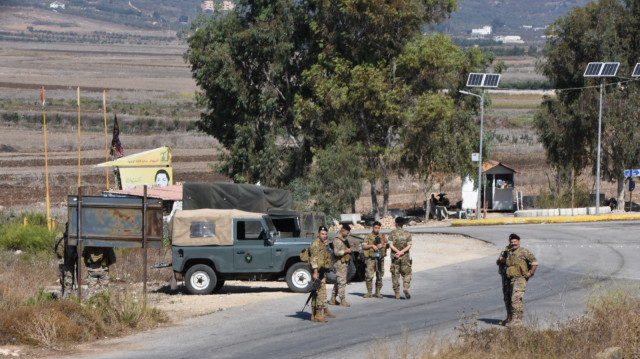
pixel 151 176
pixel 158 157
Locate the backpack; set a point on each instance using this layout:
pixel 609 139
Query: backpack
pixel 305 255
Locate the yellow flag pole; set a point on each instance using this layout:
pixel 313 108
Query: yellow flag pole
pixel 79 139
pixel 46 159
pixel 106 150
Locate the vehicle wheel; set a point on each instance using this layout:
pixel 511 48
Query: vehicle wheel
pixel 299 278
pixel 200 279
pixel 219 285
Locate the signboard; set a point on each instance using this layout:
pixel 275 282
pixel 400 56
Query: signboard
pixel 158 157
pixel 115 222
pixel 475 157
pixel 632 173
pixel 152 176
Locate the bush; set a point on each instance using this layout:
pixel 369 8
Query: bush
pixel 30 238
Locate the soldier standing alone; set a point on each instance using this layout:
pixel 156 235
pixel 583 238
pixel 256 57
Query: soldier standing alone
pixel 375 249
pixel 341 258
pixel 67 258
pixel 520 266
pixel 400 244
pixel 320 260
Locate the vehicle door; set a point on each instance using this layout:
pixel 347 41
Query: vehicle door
pixel 252 250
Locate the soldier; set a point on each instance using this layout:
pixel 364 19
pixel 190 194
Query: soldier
pixel 400 244
pixel 341 258
pixel 520 266
pixel 67 258
pixel 506 293
pixel 97 260
pixel 320 260
pixel 375 249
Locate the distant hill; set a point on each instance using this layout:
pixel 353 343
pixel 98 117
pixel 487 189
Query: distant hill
pixel 507 15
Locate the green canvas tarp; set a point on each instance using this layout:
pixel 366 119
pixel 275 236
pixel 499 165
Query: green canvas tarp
pixel 245 197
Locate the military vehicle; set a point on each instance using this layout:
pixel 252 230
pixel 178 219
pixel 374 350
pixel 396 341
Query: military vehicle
pixel 211 246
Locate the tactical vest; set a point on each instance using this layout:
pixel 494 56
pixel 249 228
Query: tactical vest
pixel 517 265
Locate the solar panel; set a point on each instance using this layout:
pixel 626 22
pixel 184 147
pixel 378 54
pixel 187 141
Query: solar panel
pixel 609 69
pixel 636 71
pixel 475 80
pixel 491 80
pixel 593 69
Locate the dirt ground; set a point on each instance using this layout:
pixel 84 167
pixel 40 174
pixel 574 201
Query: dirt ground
pixel 428 251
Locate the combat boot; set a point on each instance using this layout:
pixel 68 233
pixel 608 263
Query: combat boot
pixel 397 295
pixel 378 288
pixel 369 287
pixel 318 317
pixel 506 321
pixel 407 294
pixel 514 323
pixel 344 303
pixel 333 300
pixel 328 314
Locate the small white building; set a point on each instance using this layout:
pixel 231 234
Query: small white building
pixel 481 32
pixel 498 186
pixel 56 5
pixel 509 39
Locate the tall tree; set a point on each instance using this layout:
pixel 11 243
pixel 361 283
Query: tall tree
pixel 438 136
pixel 248 65
pixel 355 76
pixel 606 30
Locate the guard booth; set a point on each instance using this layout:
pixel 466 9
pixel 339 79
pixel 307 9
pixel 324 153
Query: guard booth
pixel 498 188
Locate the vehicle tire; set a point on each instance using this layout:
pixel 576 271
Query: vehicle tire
pixel 299 278
pixel 219 285
pixel 200 279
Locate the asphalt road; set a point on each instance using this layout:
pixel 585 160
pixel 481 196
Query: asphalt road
pixel 575 259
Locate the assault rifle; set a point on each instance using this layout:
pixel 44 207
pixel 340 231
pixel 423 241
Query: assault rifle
pixel 315 286
pixel 378 254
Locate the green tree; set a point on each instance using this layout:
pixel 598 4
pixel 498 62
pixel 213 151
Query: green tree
pixel 606 30
pixel 248 65
pixel 432 145
pixel 355 77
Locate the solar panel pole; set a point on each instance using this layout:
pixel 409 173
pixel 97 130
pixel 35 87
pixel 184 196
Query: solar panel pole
pixel 598 159
pixel 481 97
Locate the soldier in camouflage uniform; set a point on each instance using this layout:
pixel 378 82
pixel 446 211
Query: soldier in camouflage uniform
pixel 374 249
pixel 520 266
pixel 341 258
pixel 97 260
pixel 400 244
pixel 67 258
pixel 320 259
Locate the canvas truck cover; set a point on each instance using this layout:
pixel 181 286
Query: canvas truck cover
pixel 246 197
pixel 206 227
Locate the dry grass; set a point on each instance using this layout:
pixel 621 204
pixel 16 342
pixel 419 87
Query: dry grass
pixel 31 316
pixel 612 320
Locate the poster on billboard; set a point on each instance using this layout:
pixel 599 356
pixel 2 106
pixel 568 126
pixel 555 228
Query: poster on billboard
pixel 157 157
pixel 151 176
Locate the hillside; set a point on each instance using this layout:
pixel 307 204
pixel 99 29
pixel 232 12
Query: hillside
pixel 507 15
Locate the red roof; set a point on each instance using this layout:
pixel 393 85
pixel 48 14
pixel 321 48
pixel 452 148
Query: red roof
pixel 166 193
pixel 487 165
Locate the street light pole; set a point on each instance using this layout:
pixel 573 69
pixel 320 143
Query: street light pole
pixel 481 97
pixel 598 161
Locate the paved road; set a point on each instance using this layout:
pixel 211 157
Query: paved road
pixel 575 259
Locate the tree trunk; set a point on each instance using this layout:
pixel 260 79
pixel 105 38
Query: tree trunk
pixel 620 194
pixel 385 191
pixel 374 200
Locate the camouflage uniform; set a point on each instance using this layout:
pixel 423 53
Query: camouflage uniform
pixel 518 261
pixel 97 260
pixel 67 257
pixel 340 265
pixel 320 259
pixel 374 265
pixel 402 265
